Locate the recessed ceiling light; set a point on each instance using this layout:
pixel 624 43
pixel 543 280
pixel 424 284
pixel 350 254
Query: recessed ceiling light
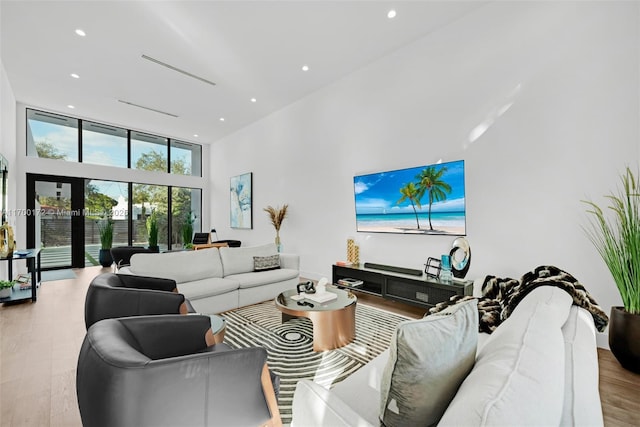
pixel 196 135
pixel 254 100
pixel 70 106
pixel 222 119
pixel 80 32
pixel 75 76
pixel 305 68
pixel 391 14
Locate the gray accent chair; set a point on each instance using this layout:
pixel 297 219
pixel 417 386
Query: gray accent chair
pixel 122 295
pixel 158 371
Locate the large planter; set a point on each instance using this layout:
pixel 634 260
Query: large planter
pixel 104 257
pixel 624 338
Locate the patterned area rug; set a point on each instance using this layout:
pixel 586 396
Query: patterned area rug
pixel 290 345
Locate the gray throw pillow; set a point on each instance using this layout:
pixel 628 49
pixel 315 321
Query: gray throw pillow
pixel 429 358
pixel 264 263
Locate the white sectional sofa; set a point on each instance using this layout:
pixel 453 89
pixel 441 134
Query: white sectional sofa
pixel 539 367
pixel 216 280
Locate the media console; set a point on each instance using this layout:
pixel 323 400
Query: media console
pixel 421 291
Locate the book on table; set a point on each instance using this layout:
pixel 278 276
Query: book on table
pixel 321 297
pixel 347 281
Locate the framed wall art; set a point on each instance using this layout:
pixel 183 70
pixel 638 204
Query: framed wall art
pixel 241 203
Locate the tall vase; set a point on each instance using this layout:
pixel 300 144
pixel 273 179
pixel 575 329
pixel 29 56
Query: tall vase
pixel 278 244
pixel 624 338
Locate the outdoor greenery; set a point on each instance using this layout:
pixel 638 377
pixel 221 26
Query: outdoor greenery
pixel 106 233
pixel 96 203
pixel 429 181
pixel 187 229
pixel 616 236
pixel 152 229
pixel 47 150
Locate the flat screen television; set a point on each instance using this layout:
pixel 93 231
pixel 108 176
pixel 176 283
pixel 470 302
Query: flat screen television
pixel 421 200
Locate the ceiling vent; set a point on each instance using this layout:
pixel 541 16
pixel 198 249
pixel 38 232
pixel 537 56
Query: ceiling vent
pixel 147 108
pixel 171 67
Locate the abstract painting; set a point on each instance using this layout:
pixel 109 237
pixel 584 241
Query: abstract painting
pixel 241 201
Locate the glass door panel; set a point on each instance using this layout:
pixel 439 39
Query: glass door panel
pixel 53 223
pixel 104 200
pixel 147 199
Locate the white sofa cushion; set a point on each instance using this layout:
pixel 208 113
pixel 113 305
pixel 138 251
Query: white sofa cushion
pixel 518 378
pixel 184 266
pixel 207 287
pixel 428 360
pixel 240 260
pixel 261 278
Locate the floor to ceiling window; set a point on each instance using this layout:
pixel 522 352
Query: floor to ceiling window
pixel 72 208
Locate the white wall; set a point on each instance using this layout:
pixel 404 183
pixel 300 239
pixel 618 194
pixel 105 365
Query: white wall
pixel 557 83
pixel 7 143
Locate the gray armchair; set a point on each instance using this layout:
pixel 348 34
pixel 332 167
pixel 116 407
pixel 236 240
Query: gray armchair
pixel 158 371
pixel 121 295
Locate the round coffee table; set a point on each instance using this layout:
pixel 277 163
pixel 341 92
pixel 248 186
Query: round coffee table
pixel 334 322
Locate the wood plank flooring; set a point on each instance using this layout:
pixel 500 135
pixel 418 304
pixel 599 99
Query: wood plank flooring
pixel 39 346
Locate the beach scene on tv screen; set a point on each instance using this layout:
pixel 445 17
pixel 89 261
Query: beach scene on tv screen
pixel 420 200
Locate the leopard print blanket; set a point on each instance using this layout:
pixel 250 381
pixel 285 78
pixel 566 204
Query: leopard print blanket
pixel 500 296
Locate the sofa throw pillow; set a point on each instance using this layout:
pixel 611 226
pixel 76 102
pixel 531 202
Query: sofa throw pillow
pixel 264 263
pixel 429 358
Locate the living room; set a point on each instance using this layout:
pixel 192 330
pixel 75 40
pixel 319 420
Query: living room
pixel 540 99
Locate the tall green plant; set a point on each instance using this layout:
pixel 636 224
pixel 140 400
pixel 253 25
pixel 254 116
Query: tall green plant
pixel 152 229
pixel 617 238
pixel 187 229
pixel 106 233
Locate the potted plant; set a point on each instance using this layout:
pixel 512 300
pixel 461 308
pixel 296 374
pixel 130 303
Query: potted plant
pixel 5 288
pixel 617 239
pixel 152 230
pixel 187 230
pixel 106 241
pixel 277 215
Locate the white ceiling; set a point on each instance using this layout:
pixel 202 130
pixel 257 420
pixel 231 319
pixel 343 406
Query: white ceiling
pixel 248 48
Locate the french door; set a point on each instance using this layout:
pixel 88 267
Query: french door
pixel 55 222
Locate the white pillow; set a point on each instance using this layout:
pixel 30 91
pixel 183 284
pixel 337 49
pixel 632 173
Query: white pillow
pixel 518 378
pixel 428 360
pixel 240 260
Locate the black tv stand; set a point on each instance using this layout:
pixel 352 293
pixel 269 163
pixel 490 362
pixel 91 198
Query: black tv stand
pixel 421 291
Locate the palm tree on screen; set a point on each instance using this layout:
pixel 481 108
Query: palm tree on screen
pixel 410 192
pixel 430 182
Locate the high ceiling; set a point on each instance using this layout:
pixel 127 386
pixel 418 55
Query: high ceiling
pixel 250 49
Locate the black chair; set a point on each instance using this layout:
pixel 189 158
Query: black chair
pixel 230 243
pixel 122 254
pixel 158 371
pixel 121 295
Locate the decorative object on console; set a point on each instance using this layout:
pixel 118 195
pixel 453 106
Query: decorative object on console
pixel 277 215
pixel 432 268
pixel 460 257
pixel 241 204
pixel 7 242
pixel 445 275
pixel 353 252
pixel 616 240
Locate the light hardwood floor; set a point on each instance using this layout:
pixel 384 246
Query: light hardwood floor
pixel 40 344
